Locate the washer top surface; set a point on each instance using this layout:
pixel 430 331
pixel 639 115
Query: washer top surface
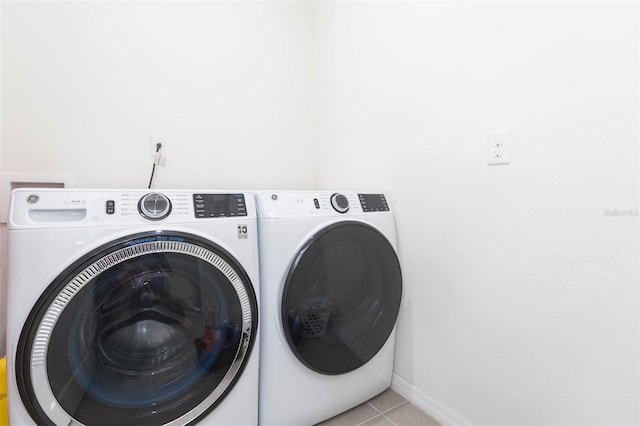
pixel 343 204
pixel 72 208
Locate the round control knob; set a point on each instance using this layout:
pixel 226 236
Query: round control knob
pixel 340 203
pixel 154 206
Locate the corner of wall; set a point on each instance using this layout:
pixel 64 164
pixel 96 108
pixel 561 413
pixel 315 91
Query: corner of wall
pixel 433 407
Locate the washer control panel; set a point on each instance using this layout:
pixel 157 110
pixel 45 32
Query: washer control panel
pixel 64 208
pixel 219 205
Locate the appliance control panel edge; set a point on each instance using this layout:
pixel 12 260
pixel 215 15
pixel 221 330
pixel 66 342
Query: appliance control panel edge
pixel 311 203
pixel 37 207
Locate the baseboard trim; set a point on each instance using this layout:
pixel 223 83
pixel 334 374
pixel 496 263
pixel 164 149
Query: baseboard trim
pixel 435 409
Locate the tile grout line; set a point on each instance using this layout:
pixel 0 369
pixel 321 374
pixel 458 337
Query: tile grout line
pixel 374 407
pixel 388 419
pixel 394 407
pixel 378 414
pixel 381 413
pixel 368 420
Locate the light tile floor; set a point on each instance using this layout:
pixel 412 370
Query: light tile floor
pixel 386 409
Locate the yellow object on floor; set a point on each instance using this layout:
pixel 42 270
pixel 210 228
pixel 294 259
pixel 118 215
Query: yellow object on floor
pixel 4 413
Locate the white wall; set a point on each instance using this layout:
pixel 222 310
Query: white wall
pixel 228 84
pixel 521 283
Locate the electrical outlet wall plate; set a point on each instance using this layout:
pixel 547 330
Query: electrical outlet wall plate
pixel 155 140
pixel 499 147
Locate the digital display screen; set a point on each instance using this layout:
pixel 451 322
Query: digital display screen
pixel 219 205
pixel 373 202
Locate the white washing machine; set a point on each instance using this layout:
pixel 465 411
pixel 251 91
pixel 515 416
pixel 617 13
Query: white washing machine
pixel 132 308
pixel 331 287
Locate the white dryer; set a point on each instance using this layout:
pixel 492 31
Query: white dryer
pixel 132 308
pixel 331 288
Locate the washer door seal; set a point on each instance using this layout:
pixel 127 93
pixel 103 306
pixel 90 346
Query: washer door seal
pixel 154 328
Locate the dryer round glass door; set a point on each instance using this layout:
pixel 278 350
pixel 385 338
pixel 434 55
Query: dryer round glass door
pixel 151 329
pixel 341 297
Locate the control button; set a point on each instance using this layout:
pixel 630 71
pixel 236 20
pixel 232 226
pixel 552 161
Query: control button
pixel 154 206
pixel 111 207
pixel 340 203
pixel 316 203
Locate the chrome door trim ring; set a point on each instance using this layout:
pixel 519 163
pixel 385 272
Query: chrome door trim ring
pixel 38 351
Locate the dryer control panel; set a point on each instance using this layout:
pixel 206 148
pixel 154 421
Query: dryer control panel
pixel 276 204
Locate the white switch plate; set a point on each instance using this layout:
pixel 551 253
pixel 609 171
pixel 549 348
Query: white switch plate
pixel 499 147
pixel 155 139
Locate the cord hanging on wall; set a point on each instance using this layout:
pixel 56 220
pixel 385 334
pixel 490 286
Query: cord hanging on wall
pixel 156 161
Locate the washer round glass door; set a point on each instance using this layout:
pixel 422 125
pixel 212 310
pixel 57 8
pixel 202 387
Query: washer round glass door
pixel 154 329
pixel 341 297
